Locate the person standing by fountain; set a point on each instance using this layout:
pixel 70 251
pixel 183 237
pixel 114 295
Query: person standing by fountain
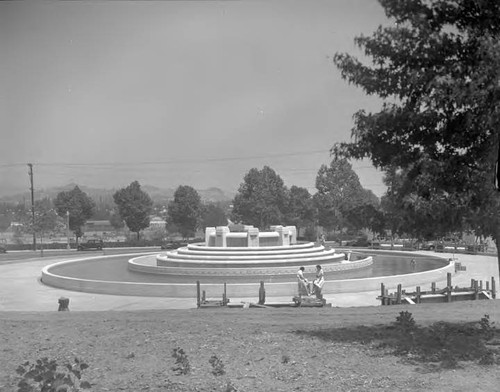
pixel 413 264
pixel 322 239
pixel 318 282
pixel 303 282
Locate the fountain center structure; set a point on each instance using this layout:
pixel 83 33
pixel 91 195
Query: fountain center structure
pixel 253 253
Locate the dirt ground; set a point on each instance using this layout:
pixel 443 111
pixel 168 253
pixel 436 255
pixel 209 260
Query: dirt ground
pixel 258 348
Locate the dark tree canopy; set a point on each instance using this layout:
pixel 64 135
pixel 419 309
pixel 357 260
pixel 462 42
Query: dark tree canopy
pixel 437 68
pixel 366 216
pixel 339 190
pixel 116 221
pixel 421 217
pixel 79 205
pixel 134 206
pixel 212 215
pixel 6 215
pixel 261 199
pixel 46 219
pixel 300 211
pixel 184 211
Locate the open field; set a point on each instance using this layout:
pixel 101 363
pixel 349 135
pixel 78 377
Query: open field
pixel 259 349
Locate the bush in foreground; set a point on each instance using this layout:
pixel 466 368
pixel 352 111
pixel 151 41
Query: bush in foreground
pixel 47 376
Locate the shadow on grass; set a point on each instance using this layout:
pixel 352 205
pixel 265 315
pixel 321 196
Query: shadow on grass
pixel 441 344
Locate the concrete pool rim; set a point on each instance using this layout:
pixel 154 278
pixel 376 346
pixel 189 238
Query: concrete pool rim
pixel 278 289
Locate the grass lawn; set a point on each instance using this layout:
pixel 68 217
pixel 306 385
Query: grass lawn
pixel 448 348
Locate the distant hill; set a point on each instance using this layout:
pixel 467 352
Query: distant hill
pixel 100 195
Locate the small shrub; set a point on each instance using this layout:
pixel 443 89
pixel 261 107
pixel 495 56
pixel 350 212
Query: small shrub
pixel 230 387
pixel 182 362
pixel 217 366
pixel 487 359
pixel 448 360
pixel 486 328
pixel 47 376
pixel 405 321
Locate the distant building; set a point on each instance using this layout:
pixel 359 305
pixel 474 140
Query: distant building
pixel 98 228
pixel 14 226
pixel 157 223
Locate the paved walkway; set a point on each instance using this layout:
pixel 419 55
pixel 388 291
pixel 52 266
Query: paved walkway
pixel 21 289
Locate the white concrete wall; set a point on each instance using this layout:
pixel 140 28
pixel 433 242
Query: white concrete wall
pixel 175 290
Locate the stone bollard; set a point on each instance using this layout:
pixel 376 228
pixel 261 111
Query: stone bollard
pixel 63 304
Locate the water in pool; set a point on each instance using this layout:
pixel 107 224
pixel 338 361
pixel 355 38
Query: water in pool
pixel 115 269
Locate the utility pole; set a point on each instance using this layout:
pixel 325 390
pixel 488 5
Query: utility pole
pixel 30 173
pixel 67 230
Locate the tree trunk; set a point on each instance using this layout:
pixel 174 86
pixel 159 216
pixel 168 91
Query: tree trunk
pixel 41 244
pixel 137 236
pixel 496 238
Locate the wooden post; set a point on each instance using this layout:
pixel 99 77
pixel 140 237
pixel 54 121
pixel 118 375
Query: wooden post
pixel 262 293
pixel 448 287
pixel 418 295
pixel 198 299
pixel 476 289
pixel 472 284
pixel 433 287
pixel 224 296
pixel 493 288
pixel 203 296
pixel 382 293
pixel 487 286
pixel 398 297
pixel 480 285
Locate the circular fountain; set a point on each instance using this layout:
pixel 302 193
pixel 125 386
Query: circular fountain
pixel 241 260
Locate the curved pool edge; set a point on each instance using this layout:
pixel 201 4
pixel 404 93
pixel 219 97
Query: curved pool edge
pixel 141 264
pixel 235 290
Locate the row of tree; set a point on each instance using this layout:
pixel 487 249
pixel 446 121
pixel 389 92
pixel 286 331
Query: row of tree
pixel 262 200
pixel 134 208
pixel 340 203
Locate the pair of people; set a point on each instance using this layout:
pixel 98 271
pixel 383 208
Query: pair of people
pixel 305 288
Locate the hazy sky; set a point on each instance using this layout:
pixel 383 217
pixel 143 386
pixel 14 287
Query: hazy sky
pixel 176 92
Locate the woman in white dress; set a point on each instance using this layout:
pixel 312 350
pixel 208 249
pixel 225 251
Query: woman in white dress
pixel 319 281
pixel 303 282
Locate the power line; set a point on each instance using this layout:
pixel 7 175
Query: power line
pixel 200 160
pixel 11 164
pixel 105 165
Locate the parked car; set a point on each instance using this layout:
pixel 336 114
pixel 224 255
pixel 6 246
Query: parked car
pixel 428 245
pixel 170 245
pixel 90 245
pixel 359 241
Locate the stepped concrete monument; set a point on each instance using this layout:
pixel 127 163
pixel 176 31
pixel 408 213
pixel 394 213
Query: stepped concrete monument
pixel 251 252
